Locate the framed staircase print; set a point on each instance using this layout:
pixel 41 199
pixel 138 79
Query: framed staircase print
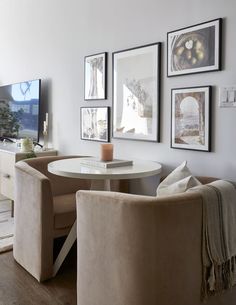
pixel 136 93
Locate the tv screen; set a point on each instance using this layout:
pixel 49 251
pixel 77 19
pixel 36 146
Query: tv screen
pixel 19 110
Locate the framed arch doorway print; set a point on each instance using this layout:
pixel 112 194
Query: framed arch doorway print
pixel 190 118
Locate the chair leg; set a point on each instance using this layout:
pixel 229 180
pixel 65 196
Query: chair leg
pixel 71 238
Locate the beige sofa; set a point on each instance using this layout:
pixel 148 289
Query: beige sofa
pixel 140 250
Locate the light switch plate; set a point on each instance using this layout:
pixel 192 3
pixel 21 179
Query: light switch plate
pixel 227 96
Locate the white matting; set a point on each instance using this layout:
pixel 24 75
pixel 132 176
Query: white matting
pixel 6 226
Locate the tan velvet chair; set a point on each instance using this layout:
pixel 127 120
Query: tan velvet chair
pixel 45 208
pixel 141 250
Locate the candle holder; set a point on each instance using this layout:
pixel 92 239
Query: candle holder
pixel 107 152
pixel 45 133
pixel 45 140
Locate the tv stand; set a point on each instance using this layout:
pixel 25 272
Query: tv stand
pixel 3 139
pixel 37 143
pixel 9 155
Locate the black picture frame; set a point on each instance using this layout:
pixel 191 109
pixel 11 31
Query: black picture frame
pixel 195 49
pixel 95 123
pixel 95 77
pixel 191 118
pixel 136 84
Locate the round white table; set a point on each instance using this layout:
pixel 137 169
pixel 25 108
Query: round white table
pixel 73 168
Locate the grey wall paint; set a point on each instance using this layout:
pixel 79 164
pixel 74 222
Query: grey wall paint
pixel 49 40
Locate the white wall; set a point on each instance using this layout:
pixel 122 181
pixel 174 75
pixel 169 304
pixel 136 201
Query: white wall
pixel 48 39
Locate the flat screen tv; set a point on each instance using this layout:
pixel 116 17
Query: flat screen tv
pixel 19 110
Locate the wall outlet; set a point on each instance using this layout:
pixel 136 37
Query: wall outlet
pixel 227 96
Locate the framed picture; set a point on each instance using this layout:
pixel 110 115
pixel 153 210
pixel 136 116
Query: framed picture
pixel 95 70
pixel 194 49
pixel 136 91
pixel 190 118
pixel 94 123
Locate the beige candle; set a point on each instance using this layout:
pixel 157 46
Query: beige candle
pixel 107 152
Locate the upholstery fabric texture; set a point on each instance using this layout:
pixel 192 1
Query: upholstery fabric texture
pixel 178 181
pixel 136 250
pixel 64 214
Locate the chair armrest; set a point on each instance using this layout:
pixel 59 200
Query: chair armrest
pixel 113 197
pixel 33 220
pixel 59 185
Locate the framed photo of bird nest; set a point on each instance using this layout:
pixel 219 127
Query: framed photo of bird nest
pixel 194 49
pixel 190 118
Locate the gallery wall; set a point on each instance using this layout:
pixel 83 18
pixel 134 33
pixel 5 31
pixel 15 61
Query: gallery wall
pixel 49 40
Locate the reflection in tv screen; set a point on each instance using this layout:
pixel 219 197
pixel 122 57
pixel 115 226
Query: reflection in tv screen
pixel 19 110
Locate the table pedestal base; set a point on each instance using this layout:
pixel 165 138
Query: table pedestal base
pixel 71 238
pixel 99 185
